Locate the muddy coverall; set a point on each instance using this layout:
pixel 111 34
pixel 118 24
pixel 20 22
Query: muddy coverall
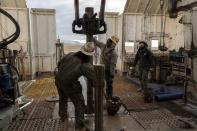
pixel 70 68
pixel 109 59
pixel 145 59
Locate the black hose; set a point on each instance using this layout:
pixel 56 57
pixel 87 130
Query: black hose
pixel 10 39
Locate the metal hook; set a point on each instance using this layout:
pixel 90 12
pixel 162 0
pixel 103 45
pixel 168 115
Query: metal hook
pixel 89 23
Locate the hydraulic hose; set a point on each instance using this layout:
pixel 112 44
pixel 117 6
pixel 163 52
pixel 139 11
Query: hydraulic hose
pixel 10 39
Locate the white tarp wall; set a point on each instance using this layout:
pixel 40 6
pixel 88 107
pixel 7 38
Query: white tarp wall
pixel 111 20
pixel 7 28
pixel 135 27
pixel 37 37
pixel 114 27
pixel 43 39
pixel 140 27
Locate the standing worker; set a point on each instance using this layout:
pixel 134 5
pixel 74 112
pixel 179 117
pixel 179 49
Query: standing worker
pixel 144 58
pixel 70 68
pixel 109 59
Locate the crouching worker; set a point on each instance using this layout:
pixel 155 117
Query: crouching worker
pixel 70 68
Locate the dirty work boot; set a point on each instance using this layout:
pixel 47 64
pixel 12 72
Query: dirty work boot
pixel 64 117
pixel 82 126
pixel 139 90
pixel 5 100
pixel 148 95
pixel 82 129
pixel 89 112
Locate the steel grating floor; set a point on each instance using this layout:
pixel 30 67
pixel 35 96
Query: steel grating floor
pixel 39 125
pixel 41 89
pixel 152 119
pixel 151 116
pixel 136 103
pixel 39 110
pixel 39 115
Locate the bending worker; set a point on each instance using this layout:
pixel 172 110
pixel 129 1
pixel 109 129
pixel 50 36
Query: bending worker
pixel 70 68
pixel 109 59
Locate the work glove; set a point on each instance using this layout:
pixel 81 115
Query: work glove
pixel 132 69
pixel 112 75
pixel 94 39
pixel 151 69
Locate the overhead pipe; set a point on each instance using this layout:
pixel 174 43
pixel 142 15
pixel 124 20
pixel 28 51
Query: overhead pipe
pixel 187 7
pixel 102 10
pixel 76 3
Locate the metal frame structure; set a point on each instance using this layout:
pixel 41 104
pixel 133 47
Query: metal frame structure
pixel 90 25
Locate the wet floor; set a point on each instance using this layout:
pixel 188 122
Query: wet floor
pixel 134 115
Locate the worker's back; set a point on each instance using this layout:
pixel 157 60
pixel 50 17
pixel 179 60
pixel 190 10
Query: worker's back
pixel 69 68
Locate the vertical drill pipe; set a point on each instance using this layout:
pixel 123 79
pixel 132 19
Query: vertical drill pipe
pixel 90 108
pixel 89 38
pixel 90 91
pixel 76 2
pixel 99 70
pixel 102 9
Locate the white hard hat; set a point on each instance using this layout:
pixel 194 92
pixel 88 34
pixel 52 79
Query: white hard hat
pixel 115 39
pixel 88 49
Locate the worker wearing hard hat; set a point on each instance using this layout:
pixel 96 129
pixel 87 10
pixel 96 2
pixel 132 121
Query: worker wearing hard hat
pixel 70 68
pixel 109 59
pixel 145 59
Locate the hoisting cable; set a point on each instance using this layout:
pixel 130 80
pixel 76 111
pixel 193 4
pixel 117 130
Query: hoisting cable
pixel 162 46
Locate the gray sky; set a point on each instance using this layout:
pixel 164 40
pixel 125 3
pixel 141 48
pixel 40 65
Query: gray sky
pixel 65 13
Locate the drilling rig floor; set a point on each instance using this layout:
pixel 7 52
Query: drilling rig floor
pixel 134 114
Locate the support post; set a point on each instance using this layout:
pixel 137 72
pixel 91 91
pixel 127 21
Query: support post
pixel 99 70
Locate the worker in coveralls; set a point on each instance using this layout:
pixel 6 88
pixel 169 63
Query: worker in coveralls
pixel 109 59
pixel 70 68
pixel 145 59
